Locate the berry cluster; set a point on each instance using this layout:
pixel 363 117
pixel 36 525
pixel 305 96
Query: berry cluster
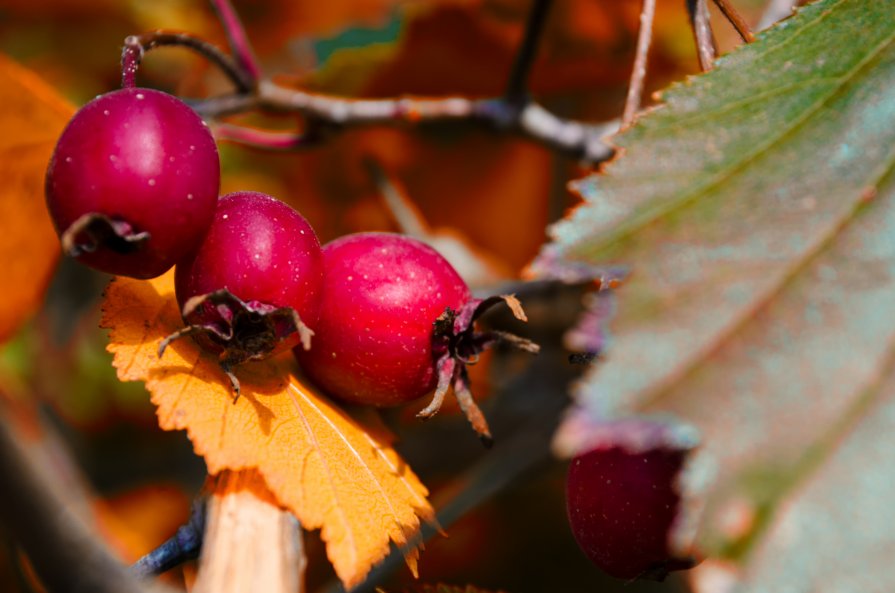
pixel 132 188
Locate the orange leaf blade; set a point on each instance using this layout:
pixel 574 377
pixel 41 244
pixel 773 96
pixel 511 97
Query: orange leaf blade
pixel 319 462
pixel 32 115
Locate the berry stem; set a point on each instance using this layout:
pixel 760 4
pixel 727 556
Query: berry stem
pixel 517 83
pixel 135 46
pixel 184 545
pixel 239 41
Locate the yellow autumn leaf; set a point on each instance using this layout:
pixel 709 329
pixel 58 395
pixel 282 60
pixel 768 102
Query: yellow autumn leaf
pixel 319 462
pixel 32 115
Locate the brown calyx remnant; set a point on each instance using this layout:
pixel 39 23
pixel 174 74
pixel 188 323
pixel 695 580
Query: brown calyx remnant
pixel 456 344
pixel 239 331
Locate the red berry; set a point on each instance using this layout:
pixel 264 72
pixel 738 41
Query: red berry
pixel 259 249
pixel 259 265
pixel 622 507
pixel 133 182
pixel 382 294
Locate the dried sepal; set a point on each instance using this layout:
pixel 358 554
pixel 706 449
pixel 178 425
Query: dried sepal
pixel 239 331
pixel 93 231
pixel 456 344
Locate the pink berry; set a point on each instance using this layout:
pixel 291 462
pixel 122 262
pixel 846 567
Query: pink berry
pixel 622 507
pixel 373 342
pixel 259 265
pixel 396 322
pixel 259 249
pixel 133 182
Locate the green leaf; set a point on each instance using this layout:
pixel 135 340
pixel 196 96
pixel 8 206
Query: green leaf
pixel 756 211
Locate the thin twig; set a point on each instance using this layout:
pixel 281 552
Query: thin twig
pixel 239 41
pixel 577 138
pixel 135 46
pixel 736 19
pixel 517 84
pixel 638 71
pixel 702 31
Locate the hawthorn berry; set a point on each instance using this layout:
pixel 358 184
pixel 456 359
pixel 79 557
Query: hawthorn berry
pixel 622 507
pixel 133 182
pixel 253 286
pixel 396 321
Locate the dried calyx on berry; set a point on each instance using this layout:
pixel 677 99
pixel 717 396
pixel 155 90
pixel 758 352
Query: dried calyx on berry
pixel 239 331
pixel 456 343
pixel 253 287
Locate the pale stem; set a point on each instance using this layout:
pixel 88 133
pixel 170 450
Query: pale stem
pixel 638 71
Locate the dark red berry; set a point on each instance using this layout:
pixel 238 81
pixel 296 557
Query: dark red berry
pixel 396 321
pixel 133 182
pixel 622 507
pixel 259 265
pixel 383 292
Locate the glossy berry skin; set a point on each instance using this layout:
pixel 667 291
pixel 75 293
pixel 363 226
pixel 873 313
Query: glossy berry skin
pixel 621 508
pixel 144 158
pixel 262 251
pixel 373 341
